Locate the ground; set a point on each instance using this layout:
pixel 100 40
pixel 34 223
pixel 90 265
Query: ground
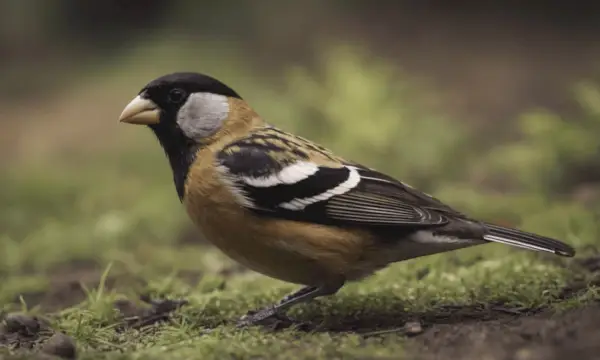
pixel 563 325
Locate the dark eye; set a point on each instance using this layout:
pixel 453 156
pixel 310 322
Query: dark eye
pixel 176 96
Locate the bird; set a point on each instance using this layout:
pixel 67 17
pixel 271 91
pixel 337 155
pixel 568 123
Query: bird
pixel 289 208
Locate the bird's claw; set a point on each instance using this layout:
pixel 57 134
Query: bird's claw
pixel 255 318
pixel 267 316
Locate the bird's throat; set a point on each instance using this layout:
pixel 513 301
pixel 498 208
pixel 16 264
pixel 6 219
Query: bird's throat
pixel 181 152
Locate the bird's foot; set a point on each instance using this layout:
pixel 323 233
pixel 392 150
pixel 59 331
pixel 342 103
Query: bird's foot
pixel 267 316
pixel 274 315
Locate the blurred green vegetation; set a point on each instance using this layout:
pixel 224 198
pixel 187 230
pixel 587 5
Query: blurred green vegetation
pixel 116 204
pixel 554 154
pixel 366 110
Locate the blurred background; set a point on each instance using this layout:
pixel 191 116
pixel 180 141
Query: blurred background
pixel 493 108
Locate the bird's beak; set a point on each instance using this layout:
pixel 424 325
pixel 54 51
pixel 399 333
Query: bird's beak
pixel 140 111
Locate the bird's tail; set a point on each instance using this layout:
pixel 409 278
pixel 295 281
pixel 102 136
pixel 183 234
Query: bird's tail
pixel 527 240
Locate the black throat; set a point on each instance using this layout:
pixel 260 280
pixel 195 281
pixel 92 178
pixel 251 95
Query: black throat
pixel 180 150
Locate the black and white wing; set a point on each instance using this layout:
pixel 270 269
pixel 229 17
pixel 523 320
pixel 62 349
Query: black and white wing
pixel 289 178
pixel 294 185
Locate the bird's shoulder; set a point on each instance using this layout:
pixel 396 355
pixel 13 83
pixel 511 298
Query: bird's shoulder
pixel 282 146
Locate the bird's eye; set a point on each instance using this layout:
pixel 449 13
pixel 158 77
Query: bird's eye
pixel 176 96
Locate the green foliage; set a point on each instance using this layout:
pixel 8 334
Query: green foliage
pixel 553 154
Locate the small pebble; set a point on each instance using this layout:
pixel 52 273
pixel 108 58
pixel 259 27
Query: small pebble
pixel 413 328
pixel 60 345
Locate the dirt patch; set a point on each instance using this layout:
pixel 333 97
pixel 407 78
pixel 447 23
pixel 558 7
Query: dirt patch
pixel 34 337
pixel 372 323
pixel 66 286
pixel 68 283
pixel 545 336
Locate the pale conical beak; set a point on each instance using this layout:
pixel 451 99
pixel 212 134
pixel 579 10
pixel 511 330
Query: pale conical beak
pixel 140 111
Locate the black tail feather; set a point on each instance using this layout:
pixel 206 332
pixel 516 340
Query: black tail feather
pixel 527 240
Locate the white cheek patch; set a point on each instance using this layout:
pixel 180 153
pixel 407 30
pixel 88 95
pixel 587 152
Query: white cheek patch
pixel 202 115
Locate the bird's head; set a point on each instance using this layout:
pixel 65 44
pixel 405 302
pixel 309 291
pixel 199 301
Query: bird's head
pixel 188 107
pixel 186 111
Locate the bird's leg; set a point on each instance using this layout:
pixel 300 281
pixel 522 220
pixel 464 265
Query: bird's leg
pixel 303 295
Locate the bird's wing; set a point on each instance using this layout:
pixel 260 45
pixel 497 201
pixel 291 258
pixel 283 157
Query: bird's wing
pixel 269 179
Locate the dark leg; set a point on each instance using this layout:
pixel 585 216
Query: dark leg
pixel 303 295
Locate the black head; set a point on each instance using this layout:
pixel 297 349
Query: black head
pixel 161 99
pixel 171 91
pixel 182 109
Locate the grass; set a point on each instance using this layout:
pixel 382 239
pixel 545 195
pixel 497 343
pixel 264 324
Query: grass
pixel 109 218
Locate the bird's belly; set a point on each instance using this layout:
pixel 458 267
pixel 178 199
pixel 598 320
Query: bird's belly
pixel 268 259
pixel 301 253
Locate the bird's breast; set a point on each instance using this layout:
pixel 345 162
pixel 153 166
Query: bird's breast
pixel 292 251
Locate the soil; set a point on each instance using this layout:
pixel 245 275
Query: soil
pixel 33 336
pixel 68 283
pixel 546 336
pixel 483 331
